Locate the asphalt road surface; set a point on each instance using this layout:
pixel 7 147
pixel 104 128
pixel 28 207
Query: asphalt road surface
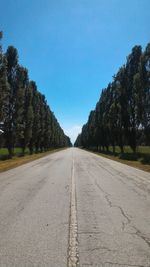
pixel 74 208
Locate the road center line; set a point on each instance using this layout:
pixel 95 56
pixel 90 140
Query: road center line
pixel 73 257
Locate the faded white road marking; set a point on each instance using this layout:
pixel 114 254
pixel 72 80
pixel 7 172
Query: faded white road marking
pixel 73 257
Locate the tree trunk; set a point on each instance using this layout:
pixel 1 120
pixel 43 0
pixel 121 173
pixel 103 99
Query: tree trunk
pixel 114 149
pixel 10 151
pixel 122 149
pixel 23 150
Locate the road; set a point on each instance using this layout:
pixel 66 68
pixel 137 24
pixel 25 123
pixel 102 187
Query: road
pixel 74 208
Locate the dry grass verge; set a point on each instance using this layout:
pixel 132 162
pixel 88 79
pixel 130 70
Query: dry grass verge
pixel 17 161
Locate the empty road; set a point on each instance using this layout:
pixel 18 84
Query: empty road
pixel 74 208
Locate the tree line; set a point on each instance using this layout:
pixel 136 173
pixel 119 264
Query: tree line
pixel 122 114
pixel 26 120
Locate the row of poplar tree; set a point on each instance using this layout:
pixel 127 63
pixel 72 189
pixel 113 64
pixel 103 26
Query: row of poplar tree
pixel 25 117
pixel 122 114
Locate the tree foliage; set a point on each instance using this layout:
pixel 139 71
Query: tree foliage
pixel 25 116
pixel 122 114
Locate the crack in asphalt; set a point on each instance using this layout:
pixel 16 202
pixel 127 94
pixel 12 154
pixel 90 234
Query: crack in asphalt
pixel 128 221
pixel 113 264
pixel 90 232
pixel 122 264
pixel 101 248
pixel 107 197
pixel 140 183
pixel 140 234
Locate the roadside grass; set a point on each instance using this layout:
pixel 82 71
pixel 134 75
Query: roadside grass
pixel 17 161
pixel 140 159
pixel 127 149
pixel 17 151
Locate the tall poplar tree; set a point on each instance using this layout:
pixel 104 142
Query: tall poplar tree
pixel 9 127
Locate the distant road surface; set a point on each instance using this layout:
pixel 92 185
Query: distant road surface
pixel 74 208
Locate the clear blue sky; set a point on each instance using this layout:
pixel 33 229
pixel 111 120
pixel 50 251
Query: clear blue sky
pixel 72 48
